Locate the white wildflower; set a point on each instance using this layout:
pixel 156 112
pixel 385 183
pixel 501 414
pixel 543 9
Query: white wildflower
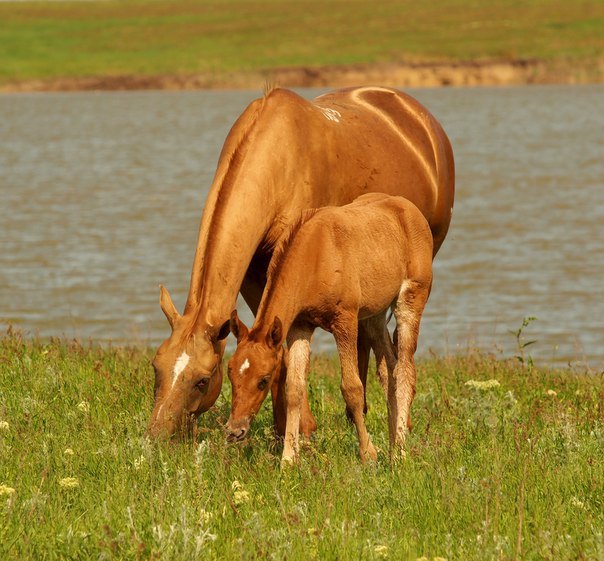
pixel 69 482
pixel 381 550
pixel 552 393
pixel 6 490
pixel 68 452
pixel 4 425
pixel 574 501
pixel 139 462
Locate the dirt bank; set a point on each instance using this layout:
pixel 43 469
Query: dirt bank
pixel 402 74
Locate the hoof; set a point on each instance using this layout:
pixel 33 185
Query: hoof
pixel 369 455
pixel 287 462
pixel 307 426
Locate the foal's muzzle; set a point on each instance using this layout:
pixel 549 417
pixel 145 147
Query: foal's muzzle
pixel 237 430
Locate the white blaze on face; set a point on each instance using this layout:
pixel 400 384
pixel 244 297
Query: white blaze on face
pixel 179 366
pixel 244 367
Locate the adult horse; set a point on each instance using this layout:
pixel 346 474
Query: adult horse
pixel 285 154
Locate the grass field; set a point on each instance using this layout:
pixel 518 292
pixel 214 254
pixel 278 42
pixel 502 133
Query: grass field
pixel 507 471
pixel 99 38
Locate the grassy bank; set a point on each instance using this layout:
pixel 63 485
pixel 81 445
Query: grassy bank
pixel 48 40
pixel 512 471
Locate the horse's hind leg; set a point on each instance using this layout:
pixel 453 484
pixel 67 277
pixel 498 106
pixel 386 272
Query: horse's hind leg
pixel 401 388
pixel 385 355
pixel 345 333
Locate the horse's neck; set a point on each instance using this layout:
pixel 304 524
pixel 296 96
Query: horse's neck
pixel 233 225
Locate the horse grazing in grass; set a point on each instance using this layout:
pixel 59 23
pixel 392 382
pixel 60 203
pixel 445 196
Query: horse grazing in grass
pixel 340 267
pixel 285 154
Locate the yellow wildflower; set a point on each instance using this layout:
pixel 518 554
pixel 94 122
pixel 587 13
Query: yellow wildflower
pixel 483 384
pixel 552 393
pixel 6 490
pixel 84 406
pixel 241 497
pixel 69 482
pixel 381 550
pixel 4 425
pixel 68 452
pixel 205 516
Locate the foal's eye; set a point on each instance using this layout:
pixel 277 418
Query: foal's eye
pixel 262 384
pixel 203 383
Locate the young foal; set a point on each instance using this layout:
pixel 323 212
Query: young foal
pixel 340 266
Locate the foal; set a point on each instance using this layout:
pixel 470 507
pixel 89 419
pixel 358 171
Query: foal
pixel 338 268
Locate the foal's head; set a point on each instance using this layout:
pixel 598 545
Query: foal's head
pixel 252 370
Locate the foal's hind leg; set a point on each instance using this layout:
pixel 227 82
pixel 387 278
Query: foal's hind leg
pixel 363 352
pixel 401 389
pixel 345 333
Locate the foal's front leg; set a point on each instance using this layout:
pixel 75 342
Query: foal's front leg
pixel 345 333
pixel 298 363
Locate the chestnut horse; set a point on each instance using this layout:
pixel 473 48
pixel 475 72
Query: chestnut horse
pixel 285 154
pixel 339 266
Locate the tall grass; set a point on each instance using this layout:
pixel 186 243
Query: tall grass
pixel 99 38
pixel 511 469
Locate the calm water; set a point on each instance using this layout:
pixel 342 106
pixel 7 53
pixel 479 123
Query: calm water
pixel 101 196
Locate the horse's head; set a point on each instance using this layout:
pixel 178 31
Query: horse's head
pixel 188 373
pixel 252 370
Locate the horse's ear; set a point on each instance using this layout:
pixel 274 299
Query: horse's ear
pixel 274 337
pixel 224 330
pixel 167 306
pixel 237 327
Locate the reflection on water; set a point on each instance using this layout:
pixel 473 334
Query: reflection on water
pixel 101 196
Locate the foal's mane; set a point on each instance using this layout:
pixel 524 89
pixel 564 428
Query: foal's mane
pixel 284 243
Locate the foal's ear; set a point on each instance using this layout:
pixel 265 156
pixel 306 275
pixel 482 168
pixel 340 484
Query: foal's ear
pixel 167 306
pixel 224 330
pixel 237 327
pixel 274 337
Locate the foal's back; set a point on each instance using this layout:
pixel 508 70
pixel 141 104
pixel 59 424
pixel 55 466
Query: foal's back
pixel 359 255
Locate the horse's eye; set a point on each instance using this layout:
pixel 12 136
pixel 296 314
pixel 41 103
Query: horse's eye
pixel 203 383
pixel 262 384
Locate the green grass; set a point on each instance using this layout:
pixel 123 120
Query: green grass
pixel 511 472
pixel 98 38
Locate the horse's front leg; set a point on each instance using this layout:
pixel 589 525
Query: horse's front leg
pixel 345 331
pixel 298 364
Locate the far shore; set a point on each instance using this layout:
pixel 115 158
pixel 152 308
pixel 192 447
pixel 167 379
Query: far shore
pixel 399 74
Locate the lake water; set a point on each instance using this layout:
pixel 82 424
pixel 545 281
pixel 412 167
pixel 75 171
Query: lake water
pixel 101 196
